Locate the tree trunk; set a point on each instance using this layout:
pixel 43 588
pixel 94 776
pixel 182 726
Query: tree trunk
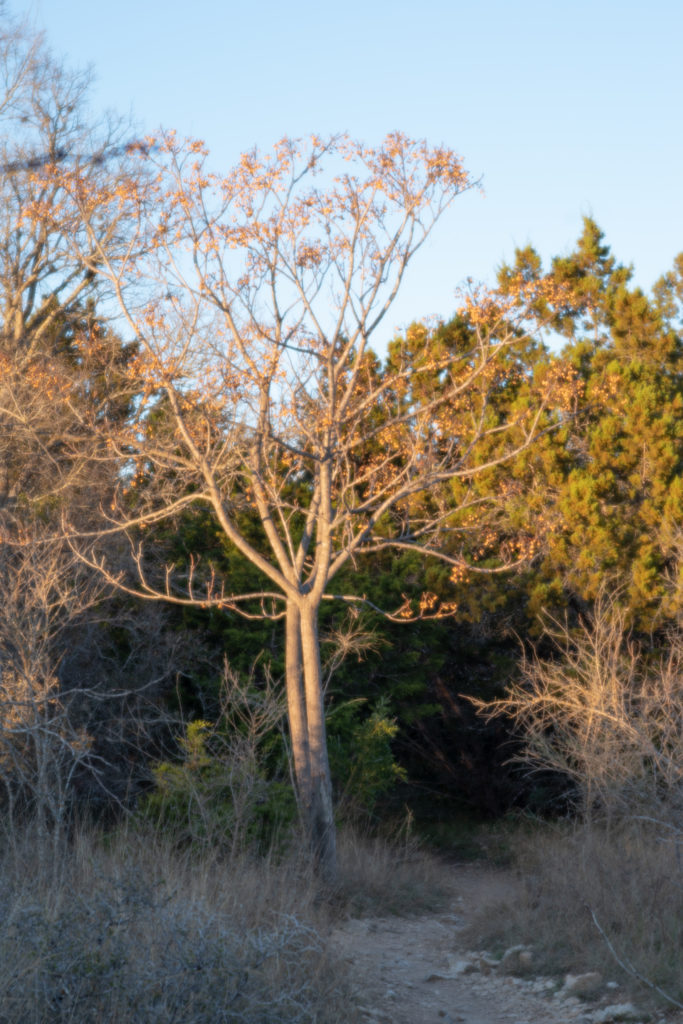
pixel 320 813
pixel 296 711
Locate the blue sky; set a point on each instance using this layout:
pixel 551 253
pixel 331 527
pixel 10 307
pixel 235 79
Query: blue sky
pixel 565 109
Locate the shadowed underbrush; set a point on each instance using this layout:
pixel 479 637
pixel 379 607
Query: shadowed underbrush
pixel 133 931
pixel 130 928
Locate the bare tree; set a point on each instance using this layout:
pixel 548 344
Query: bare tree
pixel 55 354
pixel 52 346
pixel 44 121
pixel 253 307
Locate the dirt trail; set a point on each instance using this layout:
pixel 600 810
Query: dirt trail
pixel 405 969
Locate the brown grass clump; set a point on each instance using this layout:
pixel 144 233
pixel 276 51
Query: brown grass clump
pixel 133 931
pixel 379 876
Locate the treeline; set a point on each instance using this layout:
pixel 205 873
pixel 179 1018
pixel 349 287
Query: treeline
pixel 243 492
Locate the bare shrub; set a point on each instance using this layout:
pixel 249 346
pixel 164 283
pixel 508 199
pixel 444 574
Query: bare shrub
pixel 608 893
pixel 40 747
pixel 76 721
pixel 607 714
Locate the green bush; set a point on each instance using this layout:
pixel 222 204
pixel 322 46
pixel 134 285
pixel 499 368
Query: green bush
pixel 361 757
pixel 227 787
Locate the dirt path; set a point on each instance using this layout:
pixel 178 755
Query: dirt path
pixel 406 970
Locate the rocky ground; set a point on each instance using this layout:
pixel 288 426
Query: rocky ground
pixel 419 971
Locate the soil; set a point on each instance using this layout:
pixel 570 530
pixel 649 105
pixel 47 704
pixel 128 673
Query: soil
pixel 404 970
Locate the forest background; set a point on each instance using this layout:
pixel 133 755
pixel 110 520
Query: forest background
pixel 592 506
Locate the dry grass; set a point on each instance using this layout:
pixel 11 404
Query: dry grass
pixel 128 930
pixel 131 931
pixel 630 878
pixel 379 876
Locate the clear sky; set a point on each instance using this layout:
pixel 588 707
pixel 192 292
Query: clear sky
pixel 565 109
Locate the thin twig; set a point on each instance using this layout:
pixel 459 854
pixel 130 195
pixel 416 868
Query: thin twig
pixel 627 966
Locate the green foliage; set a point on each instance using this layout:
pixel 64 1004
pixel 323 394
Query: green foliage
pixel 361 757
pixel 604 492
pixel 228 785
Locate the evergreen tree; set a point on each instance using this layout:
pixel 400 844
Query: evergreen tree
pixel 615 502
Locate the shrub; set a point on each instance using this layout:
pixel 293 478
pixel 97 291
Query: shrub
pixel 137 933
pixel 219 791
pixel 607 714
pixel 361 759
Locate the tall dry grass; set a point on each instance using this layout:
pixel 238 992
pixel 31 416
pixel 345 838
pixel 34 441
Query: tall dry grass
pixel 382 876
pixel 130 930
pixel 628 879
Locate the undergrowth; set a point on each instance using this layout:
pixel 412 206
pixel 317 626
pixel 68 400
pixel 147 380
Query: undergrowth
pixel 572 879
pixel 131 928
pixel 132 931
